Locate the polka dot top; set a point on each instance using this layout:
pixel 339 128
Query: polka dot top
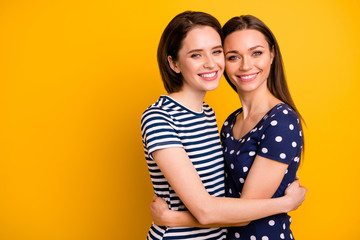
pixel 277 136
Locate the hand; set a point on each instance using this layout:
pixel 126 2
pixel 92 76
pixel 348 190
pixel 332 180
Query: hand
pixel 296 195
pixel 159 208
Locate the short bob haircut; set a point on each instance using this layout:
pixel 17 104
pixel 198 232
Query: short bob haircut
pixel 171 42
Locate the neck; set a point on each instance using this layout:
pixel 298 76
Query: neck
pixel 191 100
pixel 258 101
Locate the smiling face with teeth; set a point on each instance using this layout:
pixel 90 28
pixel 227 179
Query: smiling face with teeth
pixel 200 60
pixel 248 59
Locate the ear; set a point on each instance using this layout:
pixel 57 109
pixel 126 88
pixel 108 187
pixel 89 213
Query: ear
pixel 272 54
pixel 173 65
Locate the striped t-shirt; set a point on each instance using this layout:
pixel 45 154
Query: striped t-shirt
pixel 167 124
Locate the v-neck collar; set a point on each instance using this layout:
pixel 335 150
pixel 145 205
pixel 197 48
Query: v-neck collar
pixel 256 125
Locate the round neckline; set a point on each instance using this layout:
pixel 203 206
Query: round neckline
pixel 182 106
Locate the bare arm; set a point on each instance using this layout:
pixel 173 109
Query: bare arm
pixel 264 178
pixel 163 216
pixel 208 210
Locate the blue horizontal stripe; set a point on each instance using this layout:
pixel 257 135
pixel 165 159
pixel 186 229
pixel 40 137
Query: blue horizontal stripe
pixel 166 124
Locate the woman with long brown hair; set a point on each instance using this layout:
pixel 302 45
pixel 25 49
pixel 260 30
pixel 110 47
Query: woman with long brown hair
pixel 262 140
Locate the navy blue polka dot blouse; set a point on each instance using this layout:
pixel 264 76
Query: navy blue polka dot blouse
pixel 277 136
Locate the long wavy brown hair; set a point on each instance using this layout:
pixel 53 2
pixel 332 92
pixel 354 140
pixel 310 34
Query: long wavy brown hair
pixel 276 82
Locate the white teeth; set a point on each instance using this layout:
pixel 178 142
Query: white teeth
pixel 208 75
pixel 248 77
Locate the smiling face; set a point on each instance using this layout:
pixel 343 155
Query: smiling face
pixel 248 59
pixel 200 60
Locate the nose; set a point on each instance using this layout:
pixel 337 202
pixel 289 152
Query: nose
pixel 246 64
pixel 209 62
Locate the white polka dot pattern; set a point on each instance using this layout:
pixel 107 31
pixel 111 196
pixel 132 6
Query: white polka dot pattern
pixel 278 139
pixel 273 123
pixel 278 136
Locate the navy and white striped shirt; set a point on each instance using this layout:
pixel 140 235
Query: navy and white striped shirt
pixel 167 124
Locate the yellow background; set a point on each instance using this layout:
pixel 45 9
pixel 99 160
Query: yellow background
pixel 75 77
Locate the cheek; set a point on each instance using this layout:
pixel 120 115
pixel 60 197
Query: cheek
pixel 265 64
pixel 221 62
pixel 230 68
pixel 188 67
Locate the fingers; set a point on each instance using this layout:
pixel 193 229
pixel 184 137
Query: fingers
pixel 296 183
pixel 156 198
pixel 304 188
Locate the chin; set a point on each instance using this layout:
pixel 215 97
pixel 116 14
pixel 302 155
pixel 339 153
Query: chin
pixel 212 87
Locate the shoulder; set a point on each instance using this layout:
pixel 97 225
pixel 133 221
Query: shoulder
pixel 156 113
pixel 282 115
pixel 228 124
pixel 233 115
pixel 160 107
pixel 207 108
pixel 208 111
pixel 281 135
pixel 283 125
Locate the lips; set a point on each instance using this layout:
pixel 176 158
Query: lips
pixel 247 77
pixel 209 76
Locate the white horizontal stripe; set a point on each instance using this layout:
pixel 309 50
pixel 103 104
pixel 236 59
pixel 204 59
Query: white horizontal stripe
pixel 162 192
pixel 216 154
pixel 203 151
pixel 165 146
pixel 208 165
pixel 154 233
pixel 215 175
pixel 215 188
pixel 207 171
pixel 194 121
pixel 197 231
pixel 194 127
pixel 172 120
pixel 164 140
pixel 195 141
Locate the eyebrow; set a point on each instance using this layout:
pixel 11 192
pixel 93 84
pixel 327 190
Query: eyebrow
pixel 199 50
pixel 250 49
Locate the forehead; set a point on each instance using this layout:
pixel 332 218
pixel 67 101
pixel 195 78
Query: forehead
pixel 201 37
pixel 245 39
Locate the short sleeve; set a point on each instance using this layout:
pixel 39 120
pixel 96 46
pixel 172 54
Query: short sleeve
pixel 282 138
pixel 158 131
